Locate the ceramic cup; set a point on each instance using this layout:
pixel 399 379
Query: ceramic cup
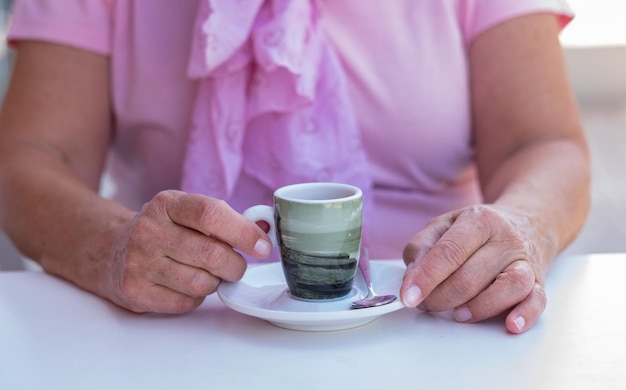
pixel 317 227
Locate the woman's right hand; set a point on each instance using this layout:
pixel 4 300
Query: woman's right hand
pixel 177 250
pixel 55 134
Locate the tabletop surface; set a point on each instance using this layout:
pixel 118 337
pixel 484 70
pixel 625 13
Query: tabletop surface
pixel 56 336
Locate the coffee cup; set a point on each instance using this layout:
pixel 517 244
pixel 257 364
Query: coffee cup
pixel 317 227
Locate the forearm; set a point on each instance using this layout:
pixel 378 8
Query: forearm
pixel 549 183
pixel 55 130
pixel 530 148
pixel 56 219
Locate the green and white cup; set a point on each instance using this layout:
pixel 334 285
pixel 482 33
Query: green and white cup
pixel 317 227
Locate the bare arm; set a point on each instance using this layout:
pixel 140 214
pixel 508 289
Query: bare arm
pixel 54 133
pixel 55 130
pixel 534 170
pixel 530 147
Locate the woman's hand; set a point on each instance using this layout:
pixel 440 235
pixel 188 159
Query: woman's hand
pixel 54 140
pixel 530 149
pixel 480 261
pixel 177 250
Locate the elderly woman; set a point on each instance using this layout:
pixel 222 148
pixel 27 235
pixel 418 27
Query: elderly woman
pixel 455 116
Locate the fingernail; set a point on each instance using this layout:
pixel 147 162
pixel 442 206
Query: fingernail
pixel 520 322
pixel 462 314
pixel 262 247
pixel 412 296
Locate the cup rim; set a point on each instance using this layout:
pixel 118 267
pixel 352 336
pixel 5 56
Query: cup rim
pixel 284 192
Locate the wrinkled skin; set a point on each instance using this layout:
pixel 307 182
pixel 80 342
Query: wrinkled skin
pixel 178 249
pixel 533 165
pixel 530 154
pixel 480 261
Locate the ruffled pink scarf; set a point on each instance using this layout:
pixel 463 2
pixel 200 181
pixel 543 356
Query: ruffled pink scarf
pixel 272 100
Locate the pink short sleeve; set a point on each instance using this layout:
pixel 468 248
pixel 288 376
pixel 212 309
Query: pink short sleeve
pixel 483 14
pixel 85 24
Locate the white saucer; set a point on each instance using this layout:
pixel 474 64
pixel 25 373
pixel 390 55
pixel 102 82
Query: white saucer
pixel 263 293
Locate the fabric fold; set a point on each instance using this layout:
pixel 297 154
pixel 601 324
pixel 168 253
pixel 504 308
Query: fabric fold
pixel 270 88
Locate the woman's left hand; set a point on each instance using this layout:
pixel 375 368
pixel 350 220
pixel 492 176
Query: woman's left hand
pixel 480 261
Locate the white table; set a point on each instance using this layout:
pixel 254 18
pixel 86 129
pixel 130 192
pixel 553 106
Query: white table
pixel 55 336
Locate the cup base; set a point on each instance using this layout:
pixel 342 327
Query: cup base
pixel 353 293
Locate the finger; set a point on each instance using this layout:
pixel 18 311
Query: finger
pixel 526 313
pixel 141 297
pixel 423 241
pixel 510 287
pixel 414 252
pixel 457 244
pixel 472 277
pixel 172 302
pixel 213 217
pixel 194 249
pixel 155 239
pixel 187 280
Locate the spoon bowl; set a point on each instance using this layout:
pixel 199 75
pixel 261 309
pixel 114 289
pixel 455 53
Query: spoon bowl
pixel 372 299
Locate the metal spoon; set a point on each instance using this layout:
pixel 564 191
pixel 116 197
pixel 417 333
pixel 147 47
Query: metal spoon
pixel 372 299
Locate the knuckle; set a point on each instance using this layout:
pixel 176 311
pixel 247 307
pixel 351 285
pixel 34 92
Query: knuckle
pixel 495 224
pixel 158 202
pixel 451 254
pixel 201 284
pixel 163 197
pixel 217 215
pixel 485 213
pixel 237 270
pixel 222 261
pixel 213 255
pixel 143 227
pixel 228 267
pixel 184 304
pixel 130 292
pixel 520 277
pixel 210 212
pixel 480 216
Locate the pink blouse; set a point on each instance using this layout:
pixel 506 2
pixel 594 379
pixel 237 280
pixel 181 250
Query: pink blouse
pixel 406 67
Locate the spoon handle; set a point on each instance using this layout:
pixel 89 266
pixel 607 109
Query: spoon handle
pixel 364 262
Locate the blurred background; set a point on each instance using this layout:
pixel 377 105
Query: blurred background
pixel 595 50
